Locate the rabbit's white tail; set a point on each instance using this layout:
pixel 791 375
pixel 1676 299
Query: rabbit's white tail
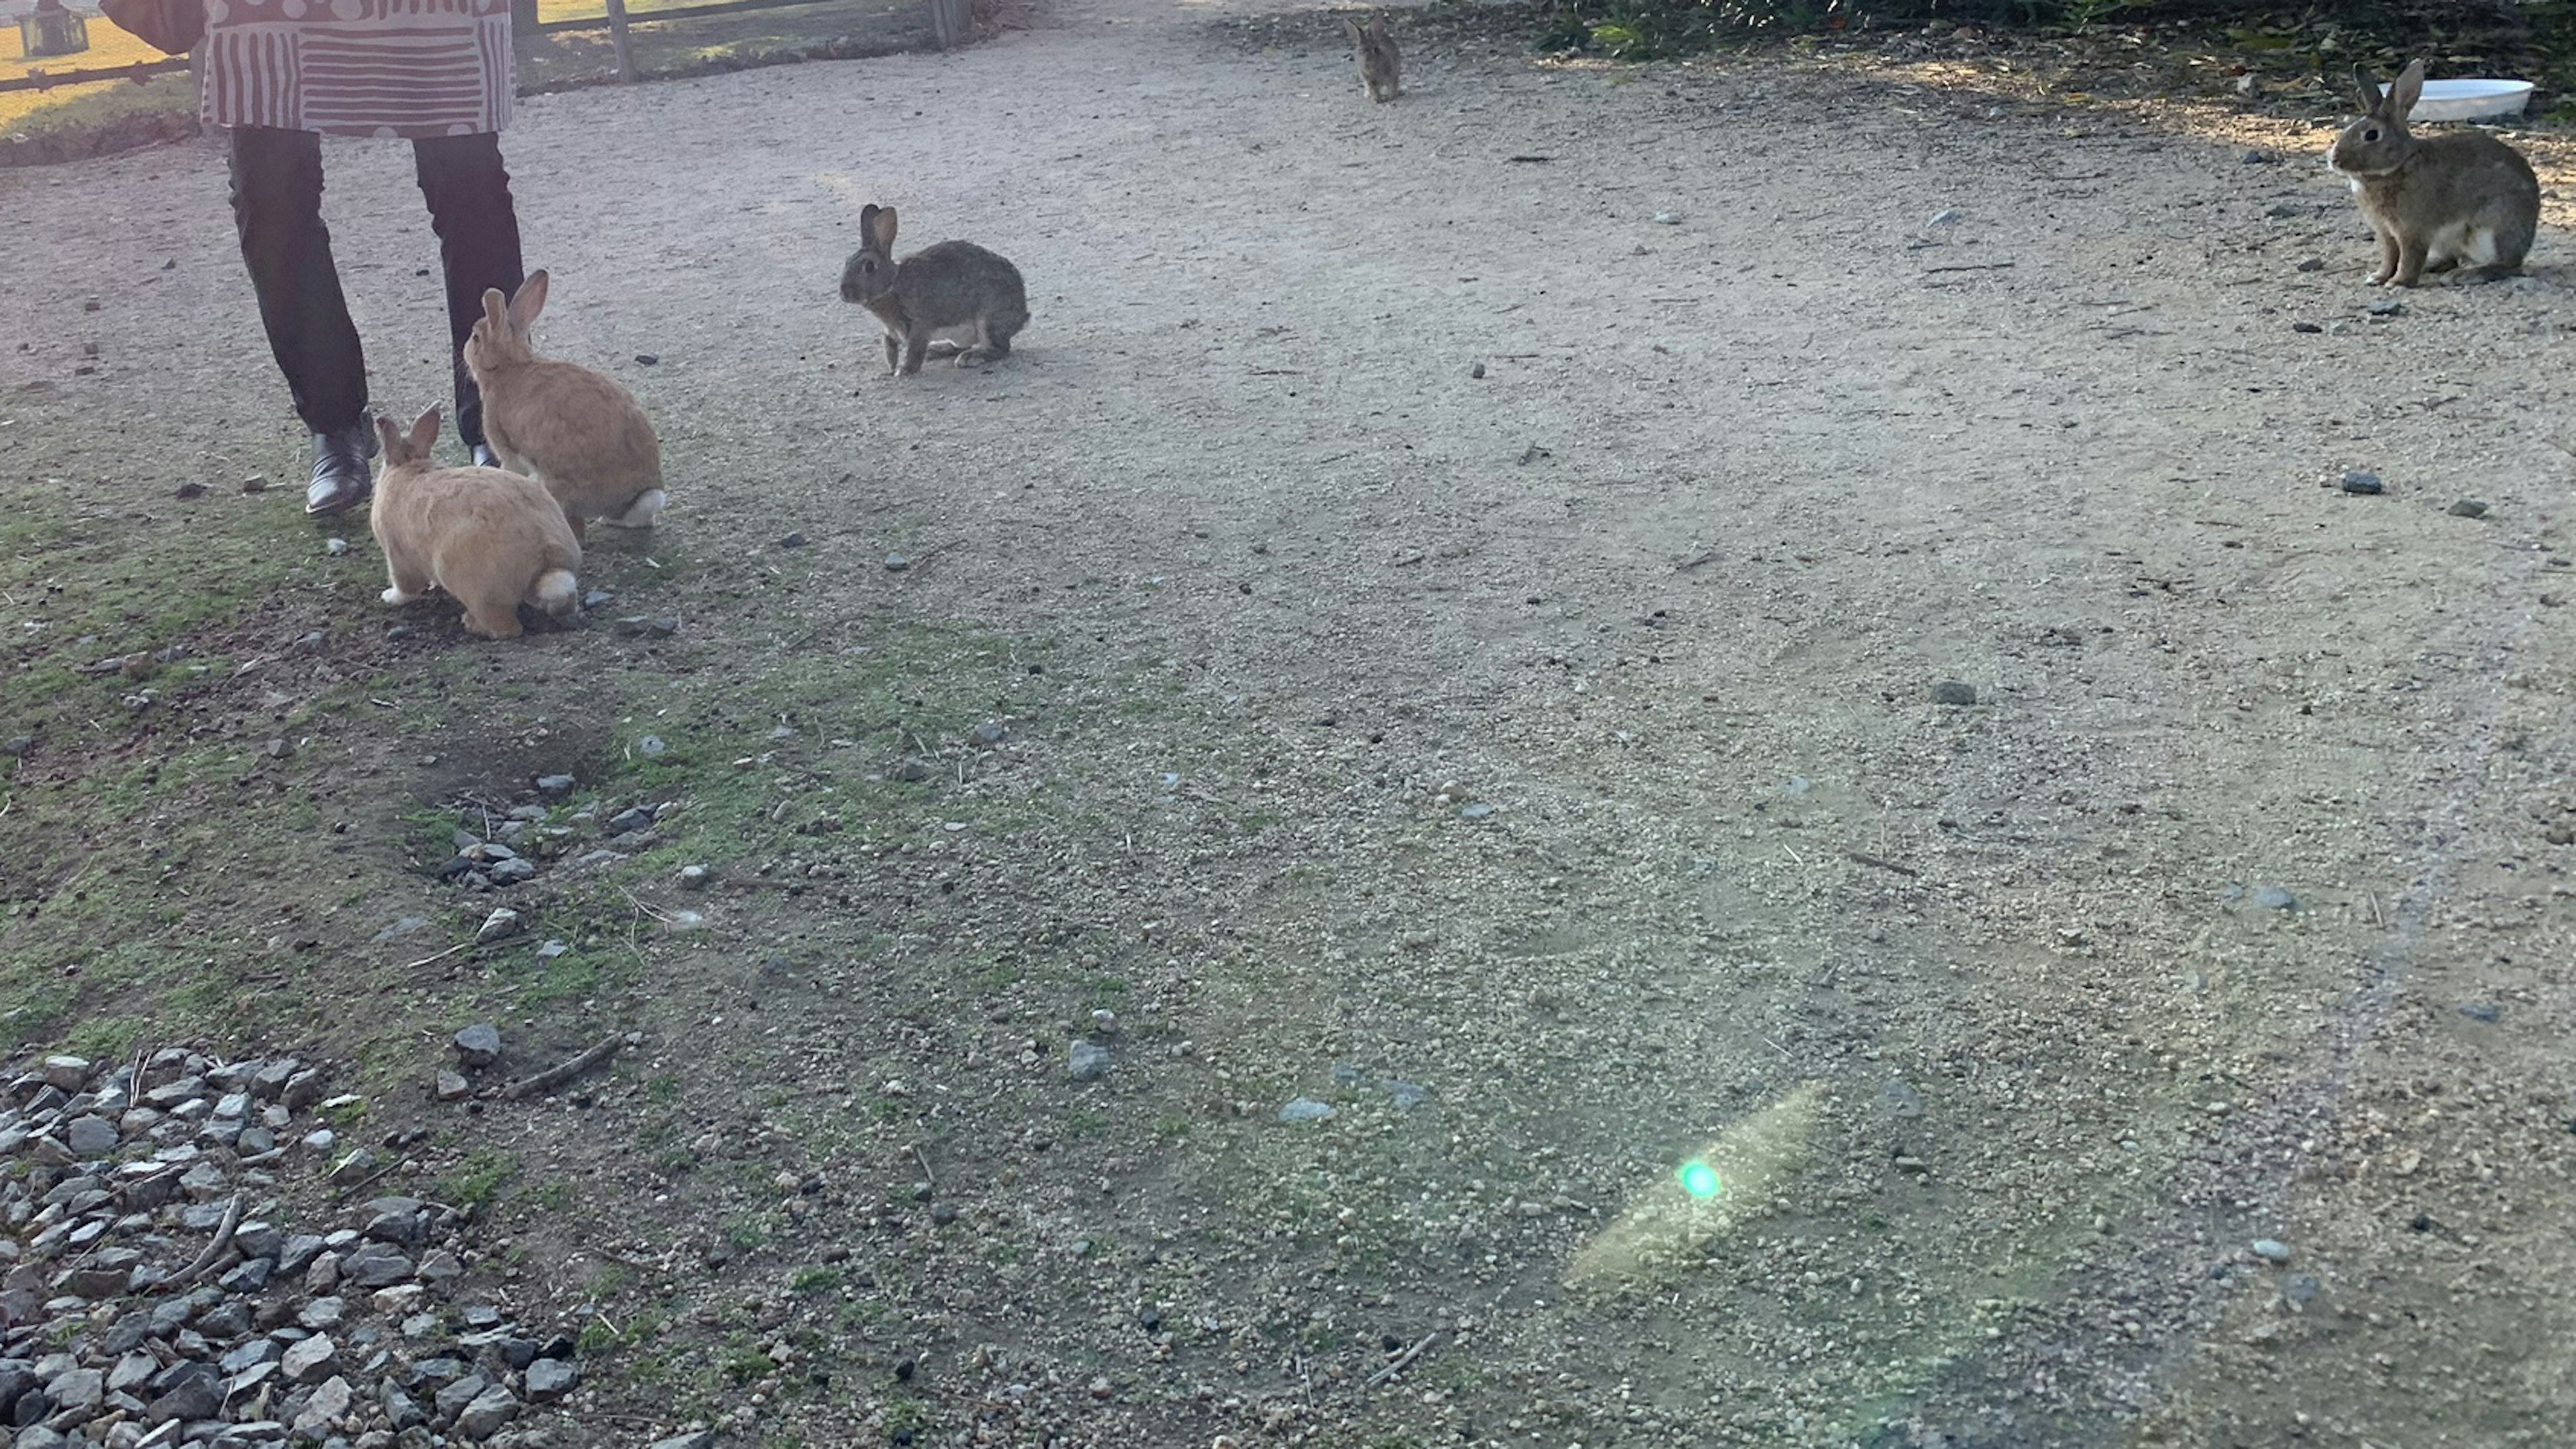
pixel 558 593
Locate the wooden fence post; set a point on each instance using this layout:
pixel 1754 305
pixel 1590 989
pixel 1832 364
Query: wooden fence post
pixel 617 35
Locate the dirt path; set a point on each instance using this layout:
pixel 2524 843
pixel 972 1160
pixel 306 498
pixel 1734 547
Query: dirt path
pixel 1542 768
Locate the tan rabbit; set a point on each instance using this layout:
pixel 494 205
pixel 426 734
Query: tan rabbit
pixel 1380 66
pixel 571 428
pixel 492 539
pixel 2460 198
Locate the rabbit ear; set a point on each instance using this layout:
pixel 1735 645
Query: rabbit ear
pixel 2366 90
pixel 529 300
pixel 424 432
pixel 2408 90
pixel 878 223
pixel 1356 33
pixel 391 438
pixel 496 309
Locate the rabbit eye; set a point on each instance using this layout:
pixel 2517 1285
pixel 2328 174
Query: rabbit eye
pixel 2371 135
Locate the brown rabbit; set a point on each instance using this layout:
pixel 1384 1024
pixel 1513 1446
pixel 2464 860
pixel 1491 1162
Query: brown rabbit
pixel 492 539
pixel 569 427
pixel 1380 66
pixel 2460 198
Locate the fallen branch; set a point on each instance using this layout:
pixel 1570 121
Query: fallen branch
pixel 464 945
pixel 556 1076
pixel 214 1251
pixel 1866 858
pixel 1389 1372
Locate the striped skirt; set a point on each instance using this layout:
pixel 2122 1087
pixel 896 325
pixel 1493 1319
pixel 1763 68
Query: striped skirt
pixel 359 67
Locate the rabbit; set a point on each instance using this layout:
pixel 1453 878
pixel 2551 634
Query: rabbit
pixel 954 291
pixel 2461 198
pixel 574 429
pixel 492 539
pixel 1380 66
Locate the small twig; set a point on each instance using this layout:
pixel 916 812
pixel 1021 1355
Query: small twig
pixel 926 1174
pixel 2375 918
pixel 641 907
pixel 556 1076
pixel 1709 557
pixel 1970 267
pixel 214 1250
pixel 370 1180
pixel 466 945
pixel 1866 858
pixel 1403 1362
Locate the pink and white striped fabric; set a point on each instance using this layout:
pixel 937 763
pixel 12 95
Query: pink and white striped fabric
pixel 359 67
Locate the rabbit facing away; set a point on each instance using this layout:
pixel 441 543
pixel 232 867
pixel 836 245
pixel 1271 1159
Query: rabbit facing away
pixel 574 429
pixel 1381 69
pixel 954 291
pixel 492 539
pixel 2456 199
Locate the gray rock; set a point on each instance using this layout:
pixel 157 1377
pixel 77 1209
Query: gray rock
pixel 896 563
pixel 225 1321
pixel 2271 1250
pixel 298 1253
pixel 132 1372
pixel 2365 483
pixel 1899 1099
pixel 311 1360
pixel 323 1314
pixel 695 1439
pixel 990 732
pixel 248 1276
pixel 191 1392
pixel 1305 1109
pixel 302 1090
pixel 258 1239
pixel 349 1171
pixel 630 820
pixel 554 786
pixel 37 1436
pixel 1087 1062
pixel 401 1409
pixel 550 1379
pixel 2469 508
pixel 1405 1095
pixel 2485 1011
pixel 501 923
pixel 257 1351
pixel 518 870
pixel 2273 898
pixel 478 1045
pixel 325 1409
pixel 79 1389
pixel 452 1399
pixel 1954 692
pixel 376 1265
pixel 90 1137
pixel 450 1087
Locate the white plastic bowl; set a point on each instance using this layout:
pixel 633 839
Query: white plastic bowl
pixel 2470 100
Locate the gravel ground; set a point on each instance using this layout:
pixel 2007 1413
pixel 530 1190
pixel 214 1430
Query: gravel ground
pixel 1479 649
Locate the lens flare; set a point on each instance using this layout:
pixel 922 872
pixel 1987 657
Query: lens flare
pixel 1748 1172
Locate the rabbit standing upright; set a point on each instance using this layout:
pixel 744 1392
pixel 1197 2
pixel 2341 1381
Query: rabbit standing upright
pixel 954 291
pixel 1380 67
pixel 576 430
pixel 2460 199
pixel 493 540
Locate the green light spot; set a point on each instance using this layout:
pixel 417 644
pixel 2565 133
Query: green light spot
pixel 1700 1180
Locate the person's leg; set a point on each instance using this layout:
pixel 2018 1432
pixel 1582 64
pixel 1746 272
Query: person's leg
pixel 478 246
pixel 277 205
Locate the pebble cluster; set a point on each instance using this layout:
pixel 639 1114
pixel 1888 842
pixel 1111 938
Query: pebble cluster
pixel 155 1296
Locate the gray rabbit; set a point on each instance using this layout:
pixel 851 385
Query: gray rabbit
pixel 954 291
pixel 2457 199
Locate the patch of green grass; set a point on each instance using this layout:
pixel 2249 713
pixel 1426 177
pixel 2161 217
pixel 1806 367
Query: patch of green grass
pixel 815 1280
pixel 478 1180
pixel 551 1196
pixel 746 1233
pixel 662 1090
pixel 744 1364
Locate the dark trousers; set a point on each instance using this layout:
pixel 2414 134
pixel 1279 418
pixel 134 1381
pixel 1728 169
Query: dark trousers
pixel 277 201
